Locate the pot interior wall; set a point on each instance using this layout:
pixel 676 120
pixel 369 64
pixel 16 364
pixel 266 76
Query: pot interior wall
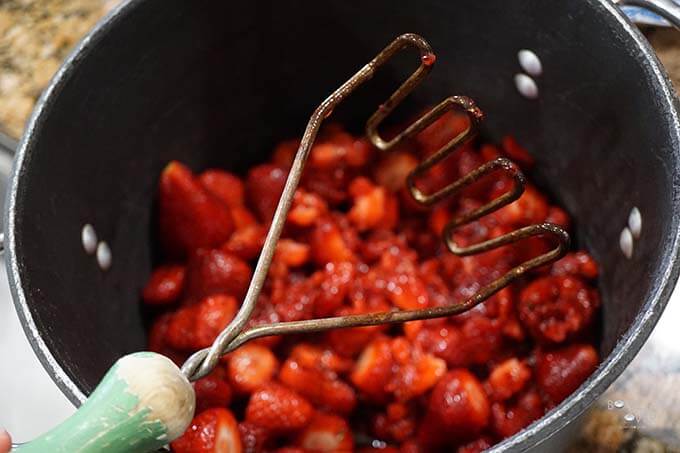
pixel 218 84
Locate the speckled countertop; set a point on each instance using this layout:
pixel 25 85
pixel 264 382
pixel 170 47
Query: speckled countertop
pixel 640 413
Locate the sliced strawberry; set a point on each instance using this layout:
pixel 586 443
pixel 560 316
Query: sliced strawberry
pixel 393 169
pixel 212 391
pixel 307 208
pixel 212 431
pixel 561 371
pixel 333 282
pixel 328 392
pixel 189 216
pixel 278 409
pixel 224 185
pixel 165 285
pixel 251 366
pixel 213 314
pixel 291 253
pixel 368 208
pixel 326 433
pixel 264 186
pixel 507 378
pixel 373 369
pixel 416 373
pixel 216 271
pixel 328 244
pixel 246 242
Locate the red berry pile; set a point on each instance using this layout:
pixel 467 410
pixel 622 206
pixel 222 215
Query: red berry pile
pixel 355 242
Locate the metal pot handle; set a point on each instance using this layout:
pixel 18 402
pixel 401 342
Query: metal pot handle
pixel 667 9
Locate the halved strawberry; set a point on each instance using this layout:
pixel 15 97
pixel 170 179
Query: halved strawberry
pixel 250 366
pixel 507 378
pixel 307 208
pixel 278 409
pixel 165 285
pixel 212 431
pixel 326 432
pixel 291 253
pixel 224 185
pixel 328 244
pixel 189 216
pixel 246 242
pixel 212 271
pixel 373 369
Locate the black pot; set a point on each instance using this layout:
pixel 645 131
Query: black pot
pixel 218 83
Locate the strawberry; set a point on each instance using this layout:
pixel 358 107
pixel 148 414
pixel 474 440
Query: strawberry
pixel 561 371
pixel 579 264
pixel 212 431
pixel 224 185
pixel 242 217
pixel 246 242
pixel 216 271
pixel 328 244
pixel 284 153
pixel 398 423
pixel 559 217
pixel 531 207
pixel 328 391
pixel 517 153
pixel 307 208
pixel 180 330
pixel 507 378
pixel 326 432
pixel 351 341
pixel 250 366
pixel 264 186
pixel 291 253
pixel 212 391
pixel 158 339
pixel 253 437
pixel 393 169
pixel 333 282
pixel 507 420
pixel 165 285
pixel 416 373
pixel 213 314
pixel 369 203
pixel 189 216
pixel 458 409
pixel 476 446
pixel 373 369
pixel 278 409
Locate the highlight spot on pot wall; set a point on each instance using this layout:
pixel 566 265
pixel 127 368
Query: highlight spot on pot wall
pixel 635 222
pixel 88 237
pixel 526 86
pixel 104 256
pixel 626 242
pixel 530 62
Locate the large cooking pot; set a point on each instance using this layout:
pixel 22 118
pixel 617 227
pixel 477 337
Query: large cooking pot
pixel 218 83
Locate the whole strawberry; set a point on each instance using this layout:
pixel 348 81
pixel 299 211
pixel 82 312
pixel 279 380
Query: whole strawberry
pixel 278 409
pixel 190 217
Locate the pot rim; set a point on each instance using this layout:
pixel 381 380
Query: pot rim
pixel 622 354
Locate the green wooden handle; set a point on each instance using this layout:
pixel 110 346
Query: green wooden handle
pixel 143 403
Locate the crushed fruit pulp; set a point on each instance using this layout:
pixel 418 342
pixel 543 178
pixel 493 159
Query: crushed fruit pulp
pixel 355 242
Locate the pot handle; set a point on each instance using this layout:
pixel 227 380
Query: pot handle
pixel 667 9
pixel 143 403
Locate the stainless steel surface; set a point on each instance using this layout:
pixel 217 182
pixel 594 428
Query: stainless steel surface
pixel 204 361
pixel 667 9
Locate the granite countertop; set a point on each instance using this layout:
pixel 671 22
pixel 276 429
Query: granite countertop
pixel 639 413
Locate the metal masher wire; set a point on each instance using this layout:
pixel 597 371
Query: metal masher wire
pixel 233 336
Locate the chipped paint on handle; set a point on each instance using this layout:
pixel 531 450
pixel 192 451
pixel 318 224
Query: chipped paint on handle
pixel 143 403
